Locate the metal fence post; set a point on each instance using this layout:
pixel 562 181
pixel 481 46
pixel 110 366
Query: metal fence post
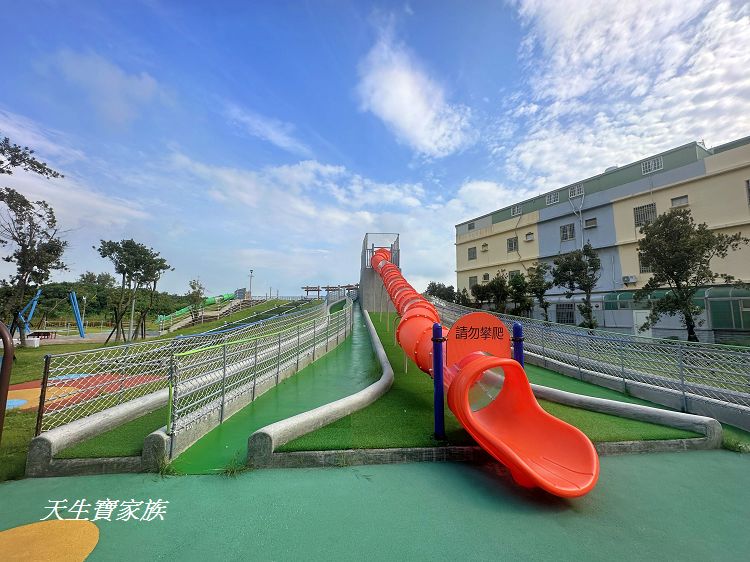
pixel 298 347
pixel 544 344
pixel 278 360
pixel 328 324
pixel 172 417
pixel 255 368
pixel 314 341
pixel 681 364
pixel 42 395
pixel 621 349
pixel 223 378
pixel 578 355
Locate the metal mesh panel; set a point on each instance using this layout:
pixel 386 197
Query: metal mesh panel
pixel 705 371
pixel 206 379
pixel 82 383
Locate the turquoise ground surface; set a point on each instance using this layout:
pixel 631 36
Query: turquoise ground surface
pixel 671 506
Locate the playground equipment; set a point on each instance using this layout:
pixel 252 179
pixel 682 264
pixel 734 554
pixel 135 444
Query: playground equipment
pixel 539 449
pixel 27 314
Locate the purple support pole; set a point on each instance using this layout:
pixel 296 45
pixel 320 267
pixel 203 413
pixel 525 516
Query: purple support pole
pixel 518 342
pixel 437 376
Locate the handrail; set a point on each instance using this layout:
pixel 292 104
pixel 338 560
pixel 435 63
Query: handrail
pixel 5 372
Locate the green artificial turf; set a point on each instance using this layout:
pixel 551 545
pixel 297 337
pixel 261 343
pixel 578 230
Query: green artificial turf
pixel 123 441
pixel 18 431
pixel 338 306
pixel 404 416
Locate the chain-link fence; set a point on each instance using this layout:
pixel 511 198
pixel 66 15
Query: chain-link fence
pixel 707 371
pixel 208 379
pixel 78 384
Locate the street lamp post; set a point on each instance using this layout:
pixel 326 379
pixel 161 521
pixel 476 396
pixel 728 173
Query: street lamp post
pixel 250 288
pixel 83 320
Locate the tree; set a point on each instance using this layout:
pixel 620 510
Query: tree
pixel 462 297
pixel 538 285
pixel 31 229
pixel 579 270
pixel 104 280
pixel 440 291
pixel 138 266
pixel 480 293
pixel 498 290
pixel 518 289
pixel 679 253
pixel 196 295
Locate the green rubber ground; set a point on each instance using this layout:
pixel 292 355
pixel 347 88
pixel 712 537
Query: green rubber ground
pixel 345 370
pixel 672 506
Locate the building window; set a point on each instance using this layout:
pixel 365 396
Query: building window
pixel 645 214
pixel 515 210
pixel 486 277
pixel 529 237
pixel 680 201
pixel 473 253
pixel 589 223
pixel 470 226
pixel 553 198
pixel 565 313
pixel 575 191
pixel 472 281
pixel 485 247
pixel 513 272
pixel 513 244
pixel 643 268
pixel 567 232
pixel 651 166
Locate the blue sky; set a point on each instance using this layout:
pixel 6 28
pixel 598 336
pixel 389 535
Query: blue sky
pixel 272 135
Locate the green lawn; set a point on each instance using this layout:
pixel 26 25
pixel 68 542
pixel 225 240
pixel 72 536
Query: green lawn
pixel 18 431
pixel 123 441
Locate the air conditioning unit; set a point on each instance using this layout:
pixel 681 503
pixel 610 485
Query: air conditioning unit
pixel 629 279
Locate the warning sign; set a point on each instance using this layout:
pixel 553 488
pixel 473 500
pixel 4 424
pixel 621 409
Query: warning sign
pixel 477 331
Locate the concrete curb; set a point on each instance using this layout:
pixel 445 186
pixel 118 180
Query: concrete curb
pixel 43 448
pixel 262 443
pixel 708 427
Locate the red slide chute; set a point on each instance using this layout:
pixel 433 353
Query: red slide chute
pixel 539 449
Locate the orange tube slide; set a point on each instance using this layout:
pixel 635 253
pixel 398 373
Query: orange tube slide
pixel 539 449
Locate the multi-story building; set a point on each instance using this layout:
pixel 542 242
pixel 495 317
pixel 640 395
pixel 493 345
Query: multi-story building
pixel 608 210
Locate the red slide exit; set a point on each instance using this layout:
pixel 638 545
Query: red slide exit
pixel 539 449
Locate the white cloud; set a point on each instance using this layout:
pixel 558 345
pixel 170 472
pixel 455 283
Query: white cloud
pixel 307 220
pixel 47 142
pixel 116 95
pixel 616 81
pixel 276 132
pixel 394 87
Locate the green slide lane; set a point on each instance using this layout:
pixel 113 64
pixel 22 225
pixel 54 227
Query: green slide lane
pixel 345 370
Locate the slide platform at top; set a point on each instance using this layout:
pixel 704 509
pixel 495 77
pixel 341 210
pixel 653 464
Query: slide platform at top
pixel 539 449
